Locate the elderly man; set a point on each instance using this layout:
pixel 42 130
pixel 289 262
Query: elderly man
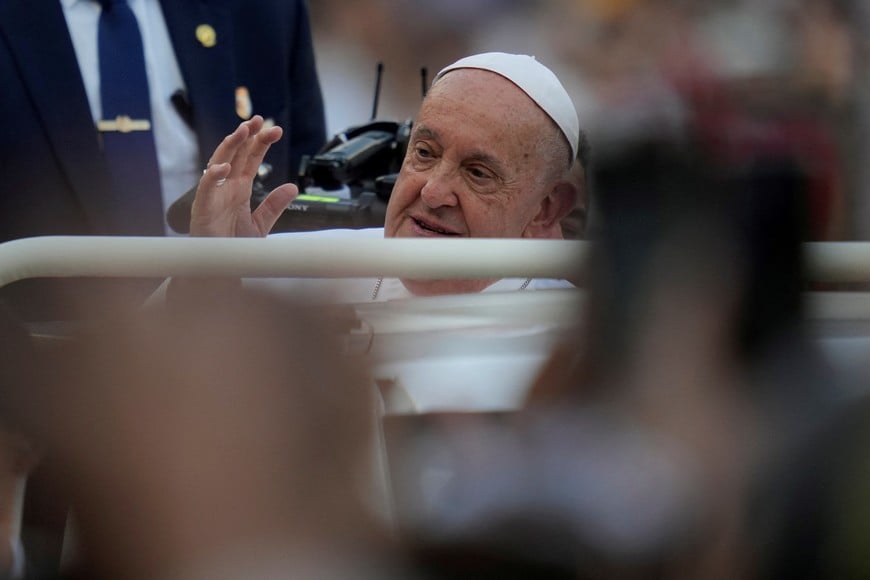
pixel 489 156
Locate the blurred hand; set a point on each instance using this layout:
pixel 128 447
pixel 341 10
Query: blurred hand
pixel 222 206
pixel 230 431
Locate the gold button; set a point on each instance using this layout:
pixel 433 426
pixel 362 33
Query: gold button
pixel 206 35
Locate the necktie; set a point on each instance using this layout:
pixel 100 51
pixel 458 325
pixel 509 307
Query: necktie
pixel 128 141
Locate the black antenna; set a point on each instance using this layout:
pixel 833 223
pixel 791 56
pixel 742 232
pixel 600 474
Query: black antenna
pixel 423 80
pixel 377 90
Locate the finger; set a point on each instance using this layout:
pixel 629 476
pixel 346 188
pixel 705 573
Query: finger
pixel 259 146
pixel 271 208
pixel 208 193
pixel 230 145
pixel 243 152
pixel 211 203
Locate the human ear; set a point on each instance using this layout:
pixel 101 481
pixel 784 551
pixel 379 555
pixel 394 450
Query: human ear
pixel 552 209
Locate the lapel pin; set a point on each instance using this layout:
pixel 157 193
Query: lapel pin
pixel 206 35
pixel 244 108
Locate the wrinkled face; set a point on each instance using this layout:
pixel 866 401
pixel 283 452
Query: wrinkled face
pixel 475 167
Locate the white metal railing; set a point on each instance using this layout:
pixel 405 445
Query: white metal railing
pixel 98 256
pixel 299 256
pixel 838 262
pixel 72 256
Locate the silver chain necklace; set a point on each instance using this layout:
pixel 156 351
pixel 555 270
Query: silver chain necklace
pixel 377 288
pixel 381 281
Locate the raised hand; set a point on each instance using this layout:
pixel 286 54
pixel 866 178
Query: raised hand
pixel 222 206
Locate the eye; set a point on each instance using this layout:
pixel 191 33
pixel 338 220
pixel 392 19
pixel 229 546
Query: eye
pixel 479 173
pixel 423 152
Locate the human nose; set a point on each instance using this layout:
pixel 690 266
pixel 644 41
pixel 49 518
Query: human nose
pixel 438 191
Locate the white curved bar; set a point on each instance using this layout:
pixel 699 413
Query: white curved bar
pixel 99 256
pixel 838 261
pixel 104 256
pixel 837 305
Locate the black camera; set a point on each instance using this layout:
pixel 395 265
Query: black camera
pixel 356 158
pixel 349 181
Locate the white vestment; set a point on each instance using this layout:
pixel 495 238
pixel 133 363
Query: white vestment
pixel 361 290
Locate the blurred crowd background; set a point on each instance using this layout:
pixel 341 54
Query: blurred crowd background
pixel 741 77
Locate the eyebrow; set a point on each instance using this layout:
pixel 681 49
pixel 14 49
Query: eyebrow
pixel 479 156
pixel 425 133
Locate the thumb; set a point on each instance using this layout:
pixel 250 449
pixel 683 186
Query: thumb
pixel 271 208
